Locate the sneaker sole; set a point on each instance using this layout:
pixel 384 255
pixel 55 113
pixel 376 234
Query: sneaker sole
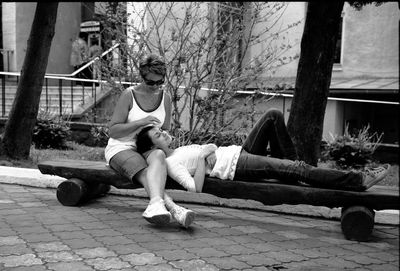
pixel 189 219
pixel 159 219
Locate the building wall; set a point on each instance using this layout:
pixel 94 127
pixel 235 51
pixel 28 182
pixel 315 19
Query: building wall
pixel 371 41
pixel 17 22
pixel 8 15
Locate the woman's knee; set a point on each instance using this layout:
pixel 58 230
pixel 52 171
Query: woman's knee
pixel 156 156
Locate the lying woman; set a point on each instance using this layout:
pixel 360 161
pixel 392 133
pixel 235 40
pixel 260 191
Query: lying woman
pixel 188 165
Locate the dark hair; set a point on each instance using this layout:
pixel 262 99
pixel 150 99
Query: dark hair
pixel 152 64
pixel 143 140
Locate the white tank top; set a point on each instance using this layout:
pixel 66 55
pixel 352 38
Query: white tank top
pixel 114 146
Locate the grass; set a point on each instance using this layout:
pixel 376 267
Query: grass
pixel 82 152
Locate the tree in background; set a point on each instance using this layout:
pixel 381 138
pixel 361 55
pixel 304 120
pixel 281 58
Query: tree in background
pixel 17 138
pixel 313 79
pixel 205 45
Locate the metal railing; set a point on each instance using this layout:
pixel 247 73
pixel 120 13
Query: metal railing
pixel 7 52
pixel 56 85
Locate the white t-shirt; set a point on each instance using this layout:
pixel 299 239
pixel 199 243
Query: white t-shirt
pixel 183 162
pixel 115 146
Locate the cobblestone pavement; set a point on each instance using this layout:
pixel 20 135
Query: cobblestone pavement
pixel 38 233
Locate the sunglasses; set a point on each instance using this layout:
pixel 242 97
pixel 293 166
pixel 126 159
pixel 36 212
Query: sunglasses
pixel 154 83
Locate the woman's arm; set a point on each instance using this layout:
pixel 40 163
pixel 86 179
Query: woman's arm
pixel 118 127
pixel 200 172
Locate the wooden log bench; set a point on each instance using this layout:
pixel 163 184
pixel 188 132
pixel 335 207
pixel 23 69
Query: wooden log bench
pixel 89 179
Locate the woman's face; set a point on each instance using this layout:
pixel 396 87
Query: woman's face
pixel 161 139
pixel 153 80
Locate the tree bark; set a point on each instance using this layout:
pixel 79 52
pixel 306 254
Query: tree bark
pixel 313 79
pixel 17 138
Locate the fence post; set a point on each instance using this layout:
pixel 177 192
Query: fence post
pixel 3 93
pixel 47 94
pixel 72 97
pixel 60 95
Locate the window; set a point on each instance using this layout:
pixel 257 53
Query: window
pixel 229 31
pixel 338 48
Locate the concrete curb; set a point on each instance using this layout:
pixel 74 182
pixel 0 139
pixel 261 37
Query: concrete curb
pixel 34 178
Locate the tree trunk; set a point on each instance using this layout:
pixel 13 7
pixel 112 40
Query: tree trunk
pixel 18 131
pixel 314 72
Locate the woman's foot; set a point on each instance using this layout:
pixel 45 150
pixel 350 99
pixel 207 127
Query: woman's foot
pixel 182 215
pixel 372 176
pixel 156 213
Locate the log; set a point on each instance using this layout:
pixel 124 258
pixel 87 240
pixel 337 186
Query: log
pixel 269 192
pixel 357 223
pixel 74 191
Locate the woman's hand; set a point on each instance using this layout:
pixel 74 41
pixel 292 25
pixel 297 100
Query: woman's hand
pixel 150 120
pixel 207 150
pixel 211 160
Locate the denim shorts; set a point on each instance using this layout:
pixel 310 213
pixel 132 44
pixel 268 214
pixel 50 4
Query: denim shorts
pixel 128 163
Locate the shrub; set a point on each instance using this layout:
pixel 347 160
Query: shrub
pixel 100 135
pixel 50 133
pixel 219 139
pixel 352 150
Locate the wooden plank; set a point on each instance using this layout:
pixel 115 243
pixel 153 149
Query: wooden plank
pixel 269 192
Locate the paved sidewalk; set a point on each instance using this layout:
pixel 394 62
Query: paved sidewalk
pixel 38 233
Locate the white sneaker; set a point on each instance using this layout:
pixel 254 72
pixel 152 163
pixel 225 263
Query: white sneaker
pixel 156 213
pixel 182 215
pixel 372 176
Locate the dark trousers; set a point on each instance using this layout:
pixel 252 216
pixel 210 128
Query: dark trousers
pixel 254 163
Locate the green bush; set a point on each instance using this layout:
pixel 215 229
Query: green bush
pixel 352 150
pixel 219 139
pixel 100 135
pixel 50 133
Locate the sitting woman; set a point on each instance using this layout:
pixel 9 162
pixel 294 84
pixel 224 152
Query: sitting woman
pixel 188 165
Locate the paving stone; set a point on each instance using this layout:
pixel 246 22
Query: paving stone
pixel 127 249
pixel 292 234
pixel 244 239
pixel 107 263
pixel 236 249
pixel 262 247
pixel 360 248
pixel 58 256
pixel 65 235
pixel 70 266
pixel 114 240
pixel 256 259
pixel 311 253
pixel 50 246
pixel 361 259
pixel 163 245
pixel 249 229
pixel 98 252
pixel 207 252
pixel 142 259
pixel 15 250
pixel 27 230
pixel 337 263
pixel 67 227
pixel 11 240
pixel 40 237
pixel 383 267
pixel 158 267
pixel 210 224
pixel 82 243
pixel 20 260
pixel 226 263
pixel 176 255
pixel 284 256
pixel 28 268
pixel 198 265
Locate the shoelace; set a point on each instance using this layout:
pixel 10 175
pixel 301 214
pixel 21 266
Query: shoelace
pixel 375 171
pixel 300 163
